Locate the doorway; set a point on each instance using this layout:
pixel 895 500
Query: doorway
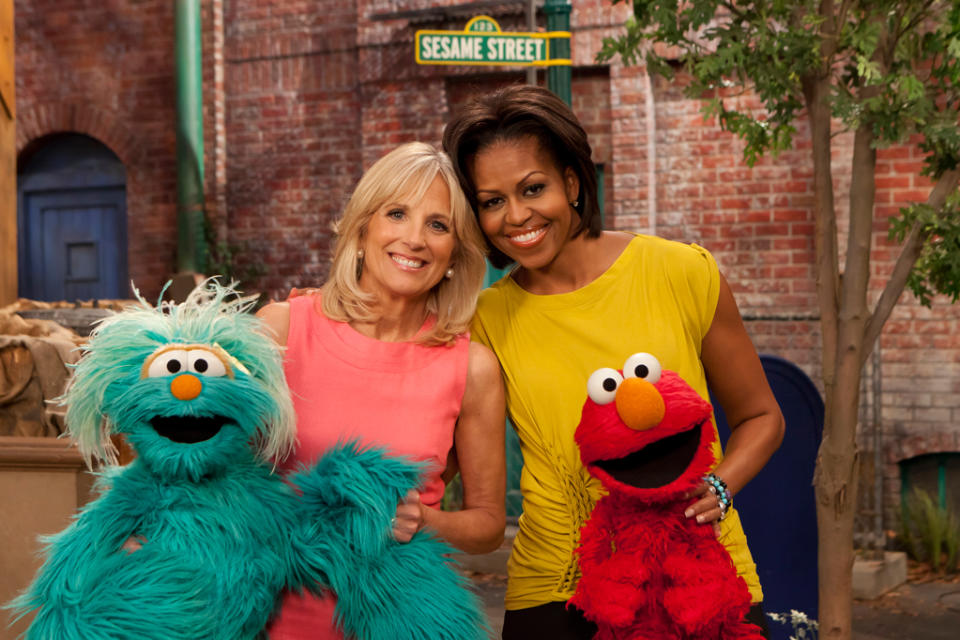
pixel 72 217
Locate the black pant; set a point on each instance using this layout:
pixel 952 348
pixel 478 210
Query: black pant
pixel 554 621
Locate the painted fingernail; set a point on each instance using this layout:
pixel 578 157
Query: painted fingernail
pixel 688 513
pixel 700 518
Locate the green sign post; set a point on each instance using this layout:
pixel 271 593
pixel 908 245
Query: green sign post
pixel 559 78
pixel 483 43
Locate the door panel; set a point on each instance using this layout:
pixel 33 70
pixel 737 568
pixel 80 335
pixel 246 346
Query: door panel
pixel 74 239
pixel 777 507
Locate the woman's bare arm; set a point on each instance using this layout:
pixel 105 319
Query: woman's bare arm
pixel 738 382
pixel 479 444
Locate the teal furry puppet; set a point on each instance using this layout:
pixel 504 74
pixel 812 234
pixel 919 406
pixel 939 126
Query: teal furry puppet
pixel 198 391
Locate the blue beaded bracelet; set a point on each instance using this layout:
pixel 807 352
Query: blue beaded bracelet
pixel 719 488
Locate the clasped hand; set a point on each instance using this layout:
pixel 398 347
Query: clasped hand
pixel 706 509
pixel 409 517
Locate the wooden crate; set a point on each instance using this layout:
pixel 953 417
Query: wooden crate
pixel 43 481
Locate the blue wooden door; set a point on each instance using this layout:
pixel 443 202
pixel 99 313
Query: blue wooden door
pixel 72 221
pixel 75 239
pixel 777 508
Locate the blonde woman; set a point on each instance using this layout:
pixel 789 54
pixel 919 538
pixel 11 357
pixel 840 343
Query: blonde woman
pixel 381 353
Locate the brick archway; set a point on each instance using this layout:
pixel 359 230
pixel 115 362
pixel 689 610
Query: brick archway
pixel 102 125
pixel 920 444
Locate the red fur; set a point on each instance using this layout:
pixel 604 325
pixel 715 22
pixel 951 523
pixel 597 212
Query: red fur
pixel 647 571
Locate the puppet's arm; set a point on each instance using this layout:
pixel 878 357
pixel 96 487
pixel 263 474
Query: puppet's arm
pixel 347 500
pixel 87 584
pixel 705 594
pixel 385 589
pixel 612 583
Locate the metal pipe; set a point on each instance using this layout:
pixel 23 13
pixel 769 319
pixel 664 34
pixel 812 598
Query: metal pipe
pixel 191 244
pixel 531 11
pixel 877 445
pixel 559 76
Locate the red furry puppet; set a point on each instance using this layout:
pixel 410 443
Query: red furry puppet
pixel 648 572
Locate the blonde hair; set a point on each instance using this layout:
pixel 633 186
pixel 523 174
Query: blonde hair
pixel 407 171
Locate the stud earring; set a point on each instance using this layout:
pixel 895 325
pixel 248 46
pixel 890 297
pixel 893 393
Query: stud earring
pixel 359 263
pixel 449 273
pixel 575 204
pixel 360 254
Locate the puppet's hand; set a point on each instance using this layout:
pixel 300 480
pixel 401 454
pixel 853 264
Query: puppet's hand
pixel 353 479
pixel 613 592
pixel 348 502
pixel 705 589
pixel 88 583
pixel 612 583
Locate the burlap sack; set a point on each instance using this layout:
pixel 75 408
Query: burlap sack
pixel 33 371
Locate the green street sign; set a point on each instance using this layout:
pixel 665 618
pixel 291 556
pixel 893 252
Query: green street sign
pixel 482 42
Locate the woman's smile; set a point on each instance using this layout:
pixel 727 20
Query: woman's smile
pixel 407 263
pixel 527 239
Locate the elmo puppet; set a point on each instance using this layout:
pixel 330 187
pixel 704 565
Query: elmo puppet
pixel 648 572
pixel 198 391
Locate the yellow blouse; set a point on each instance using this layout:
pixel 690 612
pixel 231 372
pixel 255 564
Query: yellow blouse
pixel 658 296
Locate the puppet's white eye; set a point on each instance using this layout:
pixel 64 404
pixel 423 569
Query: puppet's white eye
pixel 168 363
pixel 642 365
pixel 603 384
pixel 205 363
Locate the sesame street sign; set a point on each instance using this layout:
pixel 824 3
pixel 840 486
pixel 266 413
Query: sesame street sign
pixel 482 42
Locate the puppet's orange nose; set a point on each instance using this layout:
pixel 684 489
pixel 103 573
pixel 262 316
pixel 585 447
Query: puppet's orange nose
pixel 639 404
pixel 186 387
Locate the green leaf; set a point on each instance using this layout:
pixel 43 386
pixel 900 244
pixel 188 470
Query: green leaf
pixel 953 48
pixel 937 270
pixel 867 69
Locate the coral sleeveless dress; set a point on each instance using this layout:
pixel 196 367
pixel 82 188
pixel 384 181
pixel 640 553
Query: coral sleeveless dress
pixel 345 385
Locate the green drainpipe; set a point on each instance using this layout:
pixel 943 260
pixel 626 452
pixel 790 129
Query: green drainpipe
pixel 558 76
pixel 191 244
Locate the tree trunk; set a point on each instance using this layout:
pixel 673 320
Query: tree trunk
pixel 835 487
pixel 816 90
pixel 836 502
pixel 835 478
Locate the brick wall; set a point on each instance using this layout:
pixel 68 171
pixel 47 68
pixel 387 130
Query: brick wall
pixel 106 70
pixel 292 134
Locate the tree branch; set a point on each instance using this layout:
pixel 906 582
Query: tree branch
pixel 843 11
pixel 854 315
pixel 729 6
pixel 909 254
pixel 828 33
pixel 816 91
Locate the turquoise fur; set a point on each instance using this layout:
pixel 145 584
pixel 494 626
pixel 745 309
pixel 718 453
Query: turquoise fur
pixel 222 533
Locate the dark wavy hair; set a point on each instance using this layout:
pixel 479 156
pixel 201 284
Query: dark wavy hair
pixel 524 111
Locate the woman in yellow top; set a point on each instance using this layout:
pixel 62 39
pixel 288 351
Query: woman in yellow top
pixel 578 299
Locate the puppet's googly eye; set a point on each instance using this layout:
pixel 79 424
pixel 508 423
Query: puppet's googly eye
pixel 168 363
pixel 206 363
pixel 642 365
pixel 603 384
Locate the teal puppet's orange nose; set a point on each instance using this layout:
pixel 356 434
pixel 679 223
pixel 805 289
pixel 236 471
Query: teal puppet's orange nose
pixel 186 386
